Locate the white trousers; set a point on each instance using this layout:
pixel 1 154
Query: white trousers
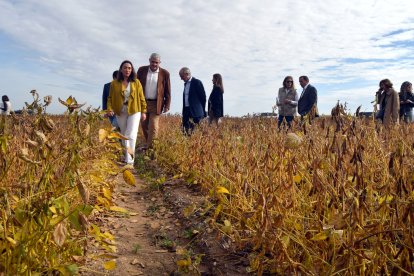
pixel 129 125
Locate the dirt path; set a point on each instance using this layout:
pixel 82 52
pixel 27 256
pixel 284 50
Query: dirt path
pixel 166 227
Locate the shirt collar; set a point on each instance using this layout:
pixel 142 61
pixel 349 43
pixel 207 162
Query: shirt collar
pixel 157 71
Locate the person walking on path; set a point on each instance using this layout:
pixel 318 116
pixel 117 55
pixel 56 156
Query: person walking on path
pixel 194 101
pixel 287 101
pixel 215 100
pixel 157 90
pixel 105 95
pixel 126 100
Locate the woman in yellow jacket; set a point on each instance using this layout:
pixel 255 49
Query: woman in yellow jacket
pixel 126 100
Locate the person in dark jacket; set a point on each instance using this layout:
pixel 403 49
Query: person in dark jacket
pixel 105 95
pixel 215 101
pixel 308 99
pixel 5 105
pixel 406 102
pixel 194 101
pixel 157 90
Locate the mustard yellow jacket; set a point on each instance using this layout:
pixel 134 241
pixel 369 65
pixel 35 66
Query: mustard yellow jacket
pixel 116 98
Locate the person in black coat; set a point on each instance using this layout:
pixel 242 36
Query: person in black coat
pixel 406 102
pixel 215 101
pixel 308 99
pixel 105 95
pixel 194 101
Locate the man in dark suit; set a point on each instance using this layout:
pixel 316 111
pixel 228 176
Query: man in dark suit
pixel 194 101
pixel 157 90
pixel 105 95
pixel 309 97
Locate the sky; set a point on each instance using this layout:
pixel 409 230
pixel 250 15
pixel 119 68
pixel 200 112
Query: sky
pixel 70 48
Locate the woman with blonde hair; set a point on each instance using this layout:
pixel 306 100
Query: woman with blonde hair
pixel 126 100
pixel 215 101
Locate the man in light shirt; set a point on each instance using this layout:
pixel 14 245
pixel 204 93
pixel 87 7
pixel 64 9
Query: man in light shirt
pixel 157 90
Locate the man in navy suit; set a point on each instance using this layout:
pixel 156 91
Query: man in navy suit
pixel 105 95
pixel 194 101
pixel 308 98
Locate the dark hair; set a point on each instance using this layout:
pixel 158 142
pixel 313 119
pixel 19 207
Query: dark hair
pixel 305 78
pixel 285 81
pixel 133 75
pixel 4 99
pixel 219 81
pixel 404 86
pixel 115 74
pixel 386 82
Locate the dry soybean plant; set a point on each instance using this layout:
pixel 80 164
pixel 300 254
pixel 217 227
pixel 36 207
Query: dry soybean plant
pixel 332 197
pixel 52 182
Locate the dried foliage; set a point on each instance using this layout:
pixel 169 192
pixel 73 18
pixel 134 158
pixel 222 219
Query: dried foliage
pixel 334 197
pixel 54 174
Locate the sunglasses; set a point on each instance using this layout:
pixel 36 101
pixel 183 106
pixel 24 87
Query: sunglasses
pixel 289 81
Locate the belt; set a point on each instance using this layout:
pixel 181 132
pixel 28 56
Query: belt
pixel 150 100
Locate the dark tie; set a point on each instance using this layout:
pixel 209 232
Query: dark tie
pixel 301 95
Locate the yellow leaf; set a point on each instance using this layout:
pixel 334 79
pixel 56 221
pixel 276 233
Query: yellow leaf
pixel 320 236
pixel 118 209
pixel 183 265
pixel 129 177
pixel 117 135
pixel 53 209
pixel 107 235
pixel 103 133
pixel 107 193
pixel 218 210
pixel 103 201
pixel 110 265
pixel 222 190
pixel 226 228
pixel 387 199
pixel 12 241
pixel 297 178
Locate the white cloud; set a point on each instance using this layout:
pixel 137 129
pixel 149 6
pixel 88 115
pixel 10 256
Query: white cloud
pixel 72 47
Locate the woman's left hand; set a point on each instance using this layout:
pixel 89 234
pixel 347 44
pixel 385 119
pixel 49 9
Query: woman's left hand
pixel 143 116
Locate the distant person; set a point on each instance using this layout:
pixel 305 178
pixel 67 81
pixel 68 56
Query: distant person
pixel 194 101
pixel 5 106
pixel 308 99
pixel 287 101
pixel 215 101
pixel 389 103
pixel 157 90
pixel 406 102
pixel 105 95
pixel 126 100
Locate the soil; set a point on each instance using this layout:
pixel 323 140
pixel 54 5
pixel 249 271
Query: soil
pixel 166 226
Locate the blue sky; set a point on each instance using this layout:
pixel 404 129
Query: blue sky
pixel 72 47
